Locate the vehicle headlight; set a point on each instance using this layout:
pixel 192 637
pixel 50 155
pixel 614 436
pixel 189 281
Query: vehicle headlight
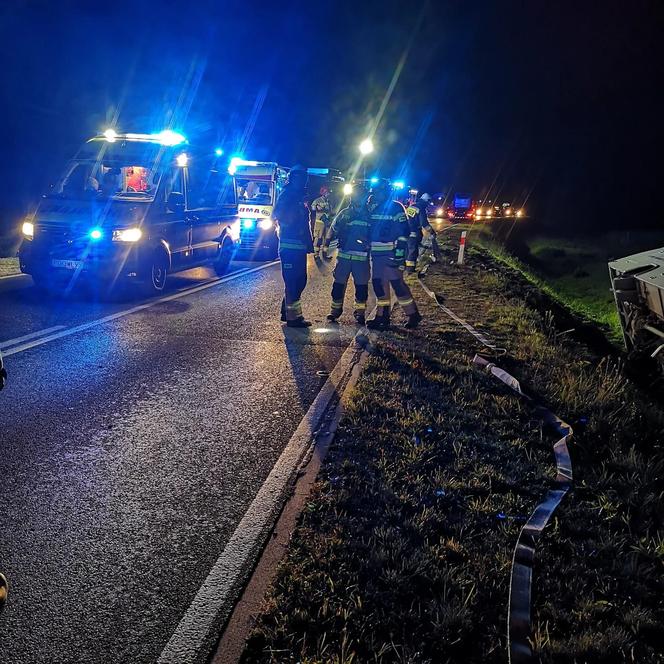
pixel 28 229
pixel 248 223
pixel 508 211
pixel 489 213
pixel 439 212
pixel 265 224
pixel 234 230
pixel 519 213
pixel 127 235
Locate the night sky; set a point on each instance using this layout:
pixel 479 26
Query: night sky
pixel 556 103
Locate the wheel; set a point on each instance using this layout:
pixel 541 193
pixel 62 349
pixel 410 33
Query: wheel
pixel 224 259
pixel 156 275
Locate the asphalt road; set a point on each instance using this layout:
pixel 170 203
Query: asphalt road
pixel 130 450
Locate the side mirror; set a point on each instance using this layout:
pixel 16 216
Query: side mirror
pixel 175 201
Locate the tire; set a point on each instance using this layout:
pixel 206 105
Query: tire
pixel 223 261
pixel 156 274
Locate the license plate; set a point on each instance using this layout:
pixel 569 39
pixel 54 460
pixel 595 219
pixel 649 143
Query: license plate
pixel 66 264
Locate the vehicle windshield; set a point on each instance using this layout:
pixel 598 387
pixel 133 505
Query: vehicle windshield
pixel 253 191
pixel 124 171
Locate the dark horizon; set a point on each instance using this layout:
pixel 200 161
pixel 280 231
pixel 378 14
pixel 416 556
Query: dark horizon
pixel 558 106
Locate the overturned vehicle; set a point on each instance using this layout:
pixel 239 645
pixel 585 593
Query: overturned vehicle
pixel 637 282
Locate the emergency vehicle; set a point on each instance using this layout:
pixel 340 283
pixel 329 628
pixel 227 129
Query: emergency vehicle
pixel 131 208
pixel 257 185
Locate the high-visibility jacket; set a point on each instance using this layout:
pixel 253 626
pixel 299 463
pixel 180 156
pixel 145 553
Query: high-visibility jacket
pixel 389 229
pixel 293 219
pixel 351 227
pixel 321 208
pixel 417 217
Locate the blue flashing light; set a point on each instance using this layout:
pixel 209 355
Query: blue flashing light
pixel 170 137
pixel 248 223
pixel 96 234
pixel 399 184
pixel 235 161
pixel 374 180
pixel 218 152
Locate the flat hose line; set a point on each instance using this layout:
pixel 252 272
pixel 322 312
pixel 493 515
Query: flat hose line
pixel 519 620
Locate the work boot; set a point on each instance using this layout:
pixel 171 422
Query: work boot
pixel 409 270
pixel 413 321
pixel 333 318
pixel 379 323
pixel 298 322
pixel 4 588
pixel 359 318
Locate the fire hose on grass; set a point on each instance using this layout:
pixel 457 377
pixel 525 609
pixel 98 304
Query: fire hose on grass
pixel 519 620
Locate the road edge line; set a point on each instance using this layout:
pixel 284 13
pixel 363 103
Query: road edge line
pixel 198 631
pixel 233 639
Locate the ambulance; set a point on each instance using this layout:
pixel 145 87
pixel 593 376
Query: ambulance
pixel 257 185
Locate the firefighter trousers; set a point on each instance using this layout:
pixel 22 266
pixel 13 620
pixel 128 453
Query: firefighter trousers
pixel 294 272
pixel 359 269
pixel 414 240
pixel 320 231
pixel 384 275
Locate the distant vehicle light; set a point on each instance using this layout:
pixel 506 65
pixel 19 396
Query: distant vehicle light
pixel 399 184
pixel 489 213
pixel 219 152
pixel 248 223
pixel 439 212
pixel 234 230
pixel 265 224
pixel 169 137
pixel 127 235
pixel 182 160
pixel 110 135
pixel 450 214
pixel 520 213
pixel 348 189
pixel 469 215
pixel 508 212
pixel 96 234
pixel 28 229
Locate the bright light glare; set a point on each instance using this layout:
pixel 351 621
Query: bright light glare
pixel 182 160
pixel 234 163
pixel 520 213
pixel 439 212
pixel 110 135
pixel 322 330
pixel 366 146
pixel 234 230
pixel 96 234
pixel 374 180
pixel 218 152
pixel 348 189
pixel 248 223
pixel 127 235
pixel 399 184
pixel 170 137
pixel 265 224
pixel 28 229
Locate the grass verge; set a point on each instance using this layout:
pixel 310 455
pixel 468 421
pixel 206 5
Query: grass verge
pixel 403 553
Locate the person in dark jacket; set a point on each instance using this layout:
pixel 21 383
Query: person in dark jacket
pixel 351 229
pixel 295 243
pixel 418 221
pixel 389 243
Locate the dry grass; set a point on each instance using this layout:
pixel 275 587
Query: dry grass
pixel 403 553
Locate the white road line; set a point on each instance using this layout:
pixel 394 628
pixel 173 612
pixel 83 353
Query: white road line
pixel 199 628
pixel 121 314
pixel 13 276
pixel 32 335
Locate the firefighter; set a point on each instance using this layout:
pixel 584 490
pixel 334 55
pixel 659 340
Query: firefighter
pixel 418 221
pixel 351 229
pixel 295 243
pixel 321 209
pixel 389 242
